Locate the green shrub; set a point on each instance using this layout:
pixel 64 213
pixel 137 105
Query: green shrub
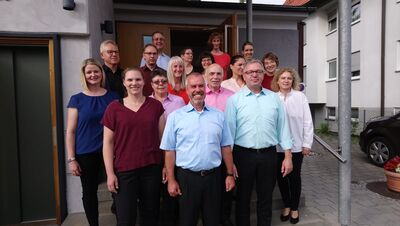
pixel 323 128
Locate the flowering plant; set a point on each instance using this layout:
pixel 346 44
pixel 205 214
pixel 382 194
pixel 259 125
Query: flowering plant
pixel 393 165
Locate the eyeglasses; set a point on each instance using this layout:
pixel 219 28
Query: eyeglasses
pixel 258 72
pixel 158 82
pixel 110 52
pixel 150 53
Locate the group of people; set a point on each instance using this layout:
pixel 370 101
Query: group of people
pixel 187 135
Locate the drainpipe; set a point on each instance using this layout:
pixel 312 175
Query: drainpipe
pixel 249 21
pixel 383 56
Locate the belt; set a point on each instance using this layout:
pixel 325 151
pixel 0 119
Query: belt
pixel 201 173
pixel 260 150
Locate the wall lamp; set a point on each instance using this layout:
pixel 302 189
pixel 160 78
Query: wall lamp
pixel 107 27
pixel 69 4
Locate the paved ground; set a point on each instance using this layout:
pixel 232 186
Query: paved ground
pixel 320 192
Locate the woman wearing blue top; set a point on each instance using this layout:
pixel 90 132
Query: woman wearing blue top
pixel 85 134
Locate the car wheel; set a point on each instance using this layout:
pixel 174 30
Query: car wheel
pixel 379 150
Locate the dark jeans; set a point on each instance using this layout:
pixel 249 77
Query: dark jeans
pixel 290 186
pixel 138 187
pixel 199 193
pixel 92 168
pixel 258 167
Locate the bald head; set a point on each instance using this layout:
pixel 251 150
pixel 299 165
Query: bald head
pixel 214 75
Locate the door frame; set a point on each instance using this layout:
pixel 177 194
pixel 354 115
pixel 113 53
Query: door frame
pixel 52 42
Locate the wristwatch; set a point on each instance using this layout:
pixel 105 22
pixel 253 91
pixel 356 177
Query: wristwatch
pixel 71 159
pixel 229 175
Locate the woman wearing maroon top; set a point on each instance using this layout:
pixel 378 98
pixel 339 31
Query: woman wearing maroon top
pixel 132 130
pixel 271 62
pixel 221 58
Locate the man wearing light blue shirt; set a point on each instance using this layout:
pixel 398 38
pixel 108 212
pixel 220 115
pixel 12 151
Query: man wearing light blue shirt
pixel 196 139
pixel 158 41
pixel 257 120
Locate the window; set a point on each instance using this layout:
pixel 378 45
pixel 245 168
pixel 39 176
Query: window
pixel 398 55
pixel 354 114
pixel 331 113
pixel 147 39
pixel 355 11
pixel 332 21
pixel 332 69
pixel 355 64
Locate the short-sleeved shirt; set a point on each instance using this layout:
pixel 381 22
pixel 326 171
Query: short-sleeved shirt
pixel 147 89
pixel 136 134
pixel 89 131
pixel 182 93
pixel 197 137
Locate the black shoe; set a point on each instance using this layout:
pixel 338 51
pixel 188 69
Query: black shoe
pixel 227 222
pixel 294 220
pixel 285 218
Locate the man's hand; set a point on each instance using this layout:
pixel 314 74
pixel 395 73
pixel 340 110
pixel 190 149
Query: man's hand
pixel 173 188
pixel 229 183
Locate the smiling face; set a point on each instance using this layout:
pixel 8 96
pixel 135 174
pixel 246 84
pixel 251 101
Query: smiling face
pixel 159 84
pixel 133 82
pixel 110 55
pixel 214 76
pixel 270 66
pixel 285 81
pixel 196 89
pixel 253 75
pixel 205 62
pixel 248 52
pixel 237 67
pixel 93 75
pixel 177 70
pixel 159 41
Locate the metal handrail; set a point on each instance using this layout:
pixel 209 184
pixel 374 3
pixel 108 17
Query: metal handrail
pixel 329 148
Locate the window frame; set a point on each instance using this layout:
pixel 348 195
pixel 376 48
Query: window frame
pixel 328 111
pixel 353 5
pixel 334 60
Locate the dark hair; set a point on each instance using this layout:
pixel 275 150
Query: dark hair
pixel 247 43
pixel 158 72
pixel 204 54
pixel 215 35
pixel 182 52
pixel 271 56
pixel 147 45
pixel 232 62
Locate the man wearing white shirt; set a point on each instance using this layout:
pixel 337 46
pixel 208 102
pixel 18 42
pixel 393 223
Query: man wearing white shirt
pixel 158 40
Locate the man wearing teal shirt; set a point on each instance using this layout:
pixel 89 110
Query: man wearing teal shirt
pixel 257 120
pixel 196 139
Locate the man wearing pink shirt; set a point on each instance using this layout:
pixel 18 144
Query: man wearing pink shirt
pixel 216 95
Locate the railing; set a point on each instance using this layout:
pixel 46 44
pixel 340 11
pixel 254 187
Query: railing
pixel 330 149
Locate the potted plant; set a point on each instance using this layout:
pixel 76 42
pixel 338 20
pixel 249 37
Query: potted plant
pixel 392 172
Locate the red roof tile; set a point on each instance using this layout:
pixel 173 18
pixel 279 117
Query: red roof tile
pixel 295 2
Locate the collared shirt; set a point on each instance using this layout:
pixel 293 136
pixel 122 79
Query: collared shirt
pixel 231 84
pixel 114 80
pixel 162 61
pixel 147 89
pixel 217 99
pixel 171 103
pixel 197 137
pixel 258 120
pixel 300 121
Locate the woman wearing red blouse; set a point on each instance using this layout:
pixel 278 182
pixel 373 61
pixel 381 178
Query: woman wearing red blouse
pixel 177 78
pixel 132 130
pixel 221 58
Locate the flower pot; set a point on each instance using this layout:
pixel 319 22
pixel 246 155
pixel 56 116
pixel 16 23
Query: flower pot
pixel 393 180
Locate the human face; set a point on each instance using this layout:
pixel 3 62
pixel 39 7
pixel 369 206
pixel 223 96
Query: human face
pixel 110 54
pixel 188 56
pixel 253 75
pixel 270 66
pixel 93 75
pixel 177 70
pixel 248 51
pixel 237 67
pixel 285 81
pixel 216 43
pixel 214 76
pixel 205 62
pixel 158 41
pixel 133 83
pixel 150 55
pixel 196 90
pixel 159 84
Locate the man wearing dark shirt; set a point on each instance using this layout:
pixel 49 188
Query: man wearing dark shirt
pixel 110 54
pixel 150 55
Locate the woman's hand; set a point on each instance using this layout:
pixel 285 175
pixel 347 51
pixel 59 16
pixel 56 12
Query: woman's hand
pixel 306 151
pixel 112 183
pixel 74 168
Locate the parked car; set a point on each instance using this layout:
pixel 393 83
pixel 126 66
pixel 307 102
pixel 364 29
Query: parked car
pixel 380 139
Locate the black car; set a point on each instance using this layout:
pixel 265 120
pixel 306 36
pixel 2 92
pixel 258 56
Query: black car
pixel 380 138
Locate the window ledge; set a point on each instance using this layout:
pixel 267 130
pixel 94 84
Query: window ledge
pixel 331 80
pixel 333 31
pixel 355 78
pixel 330 118
pixel 398 70
pixel 355 22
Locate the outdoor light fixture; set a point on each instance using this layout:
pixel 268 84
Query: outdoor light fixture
pixel 107 27
pixel 68 4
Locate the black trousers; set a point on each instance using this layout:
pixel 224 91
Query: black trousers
pixel 138 187
pixel 290 186
pixel 226 198
pixel 92 168
pixel 199 193
pixel 168 208
pixel 254 167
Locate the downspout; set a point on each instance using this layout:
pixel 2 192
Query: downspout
pixel 300 28
pixel 383 56
pixel 249 21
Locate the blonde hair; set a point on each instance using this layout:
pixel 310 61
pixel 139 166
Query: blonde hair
pixel 106 42
pixel 170 73
pixel 293 73
pixel 85 63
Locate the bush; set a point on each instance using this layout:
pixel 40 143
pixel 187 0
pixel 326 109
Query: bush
pixel 323 128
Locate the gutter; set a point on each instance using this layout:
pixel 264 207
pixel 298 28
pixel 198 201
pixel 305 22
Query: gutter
pixel 383 56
